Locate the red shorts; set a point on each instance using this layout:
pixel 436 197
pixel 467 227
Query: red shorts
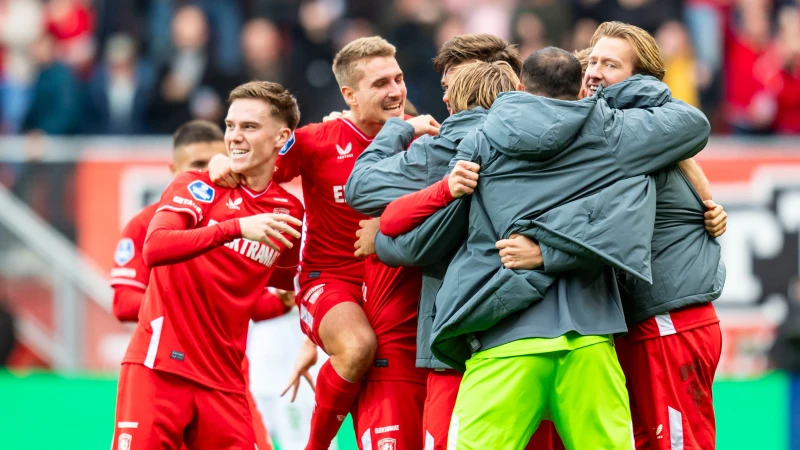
pixel 669 384
pixel 317 296
pixel 158 410
pixel 262 437
pixel 388 415
pixel 442 393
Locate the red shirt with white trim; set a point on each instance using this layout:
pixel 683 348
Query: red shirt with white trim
pixel 323 155
pixel 130 273
pixel 676 321
pixel 129 267
pixel 206 279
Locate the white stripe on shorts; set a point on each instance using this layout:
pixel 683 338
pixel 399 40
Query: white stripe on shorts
pixel 675 429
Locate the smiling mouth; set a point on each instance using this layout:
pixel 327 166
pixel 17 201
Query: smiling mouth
pixel 393 108
pixel 239 152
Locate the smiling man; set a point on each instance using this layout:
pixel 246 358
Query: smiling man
pixel 673 345
pixel 212 251
pixel 331 277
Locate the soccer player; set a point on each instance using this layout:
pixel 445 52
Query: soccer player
pixel 194 144
pixel 331 277
pixel 212 252
pixel 426 163
pixel 673 345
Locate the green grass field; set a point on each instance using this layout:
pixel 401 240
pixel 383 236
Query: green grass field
pixel 43 411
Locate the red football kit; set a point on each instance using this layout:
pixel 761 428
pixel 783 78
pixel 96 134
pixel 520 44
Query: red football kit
pixel 323 155
pixel 669 363
pixel 130 277
pixel 389 409
pixel 182 375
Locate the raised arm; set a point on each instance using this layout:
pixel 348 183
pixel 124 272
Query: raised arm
pixel 650 139
pixel 385 171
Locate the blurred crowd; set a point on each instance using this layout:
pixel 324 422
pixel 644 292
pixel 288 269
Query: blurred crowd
pixel 145 66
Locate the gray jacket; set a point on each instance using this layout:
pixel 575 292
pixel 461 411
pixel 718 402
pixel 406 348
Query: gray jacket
pixel 537 154
pixel 686 263
pixel 385 172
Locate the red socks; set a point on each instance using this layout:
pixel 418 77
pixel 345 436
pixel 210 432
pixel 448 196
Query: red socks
pixel 335 397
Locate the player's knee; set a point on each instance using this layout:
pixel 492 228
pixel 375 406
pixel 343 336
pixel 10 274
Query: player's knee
pixel 359 351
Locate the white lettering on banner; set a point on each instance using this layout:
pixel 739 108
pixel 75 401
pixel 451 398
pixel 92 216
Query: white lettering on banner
pixel 254 250
pixel 338 194
pixel 387 429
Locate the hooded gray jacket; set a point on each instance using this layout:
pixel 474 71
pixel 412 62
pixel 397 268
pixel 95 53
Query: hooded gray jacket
pixel 385 172
pixel 537 154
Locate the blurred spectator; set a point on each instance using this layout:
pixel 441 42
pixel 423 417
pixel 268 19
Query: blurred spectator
pixel 120 90
pixel 750 107
pixel 582 34
pixel 310 63
pixel 676 50
pixel 56 102
pixel 190 86
pixel 415 38
pixel 21 24
pixel 71 23
pixel 647 14
pixel 555 15
pixel 262 48
pixel 787 85
pixel 223 25
pixel 735 57
pixel 529 33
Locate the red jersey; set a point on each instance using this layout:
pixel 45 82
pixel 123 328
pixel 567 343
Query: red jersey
pixel 129 268
pixel 323 155
pixel 206 279
pixel 391 298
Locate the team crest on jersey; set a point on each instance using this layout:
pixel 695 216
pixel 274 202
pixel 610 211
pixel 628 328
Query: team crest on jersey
pixel 280 211
pixel 124 441
pixel 201 191
pixel 387 444
pixel 345 152
pixel 124 252
pixel 287 145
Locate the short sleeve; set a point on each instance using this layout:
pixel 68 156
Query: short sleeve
pixel 190 193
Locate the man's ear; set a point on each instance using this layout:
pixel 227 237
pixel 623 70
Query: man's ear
pixel 283 136
pixel 349 95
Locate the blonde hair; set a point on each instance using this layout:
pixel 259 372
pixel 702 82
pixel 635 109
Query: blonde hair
pixel 646 55
pixel 479 84
pixel 284 105
pixel 346 61
pixel 583 58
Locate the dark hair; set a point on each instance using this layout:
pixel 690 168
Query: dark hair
pixel 196 131
pixel 552 72
pixel 476 47
pixel 283 104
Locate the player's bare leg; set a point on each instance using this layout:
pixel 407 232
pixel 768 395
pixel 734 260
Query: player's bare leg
pixel 348 339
